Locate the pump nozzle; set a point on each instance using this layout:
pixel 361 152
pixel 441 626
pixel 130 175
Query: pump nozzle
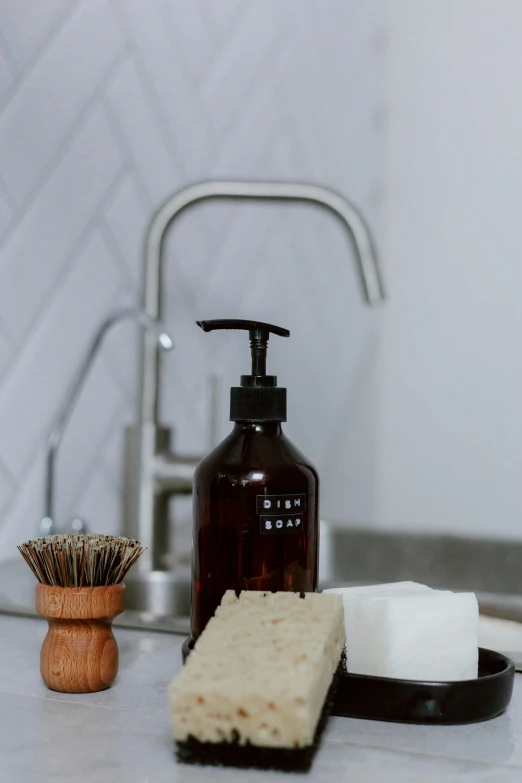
pixel 238 323
pixel 259 334
pixel 258 398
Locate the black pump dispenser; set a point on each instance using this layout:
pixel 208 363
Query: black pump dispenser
pixel 259 398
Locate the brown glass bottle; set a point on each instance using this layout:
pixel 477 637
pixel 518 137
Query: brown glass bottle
pixel 232 549
pixel 256 496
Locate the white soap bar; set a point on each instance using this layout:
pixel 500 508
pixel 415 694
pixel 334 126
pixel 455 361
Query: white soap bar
pixel 380 588
pixel 406 630
pixel 350 595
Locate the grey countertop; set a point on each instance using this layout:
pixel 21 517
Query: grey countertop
pixel 123 734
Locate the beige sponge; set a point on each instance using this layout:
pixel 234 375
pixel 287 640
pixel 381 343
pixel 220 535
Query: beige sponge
pixel 261 670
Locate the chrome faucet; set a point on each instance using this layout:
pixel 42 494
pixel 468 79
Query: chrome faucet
pixel 153 473
pixel 48 523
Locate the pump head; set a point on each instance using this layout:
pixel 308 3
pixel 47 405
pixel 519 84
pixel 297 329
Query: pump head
pixel 258 398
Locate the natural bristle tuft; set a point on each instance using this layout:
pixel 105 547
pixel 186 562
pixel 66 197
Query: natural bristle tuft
pixel 80 560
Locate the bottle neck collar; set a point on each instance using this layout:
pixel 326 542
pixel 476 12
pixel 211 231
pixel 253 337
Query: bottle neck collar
pixel 261 427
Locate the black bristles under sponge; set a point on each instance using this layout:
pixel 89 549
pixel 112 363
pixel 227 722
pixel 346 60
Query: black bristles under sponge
pixel 232 754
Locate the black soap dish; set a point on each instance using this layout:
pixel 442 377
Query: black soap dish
pixel 412 701
pixel 415 701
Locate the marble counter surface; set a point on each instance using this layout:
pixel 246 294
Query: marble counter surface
pixel 123 734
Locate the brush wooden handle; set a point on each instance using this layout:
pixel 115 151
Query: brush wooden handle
pixel 79 653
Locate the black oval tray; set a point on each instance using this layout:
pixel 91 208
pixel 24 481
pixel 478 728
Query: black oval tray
pixel 412 701
pixel 415 701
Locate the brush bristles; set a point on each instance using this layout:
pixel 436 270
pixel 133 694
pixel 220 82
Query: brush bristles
pixel 79 560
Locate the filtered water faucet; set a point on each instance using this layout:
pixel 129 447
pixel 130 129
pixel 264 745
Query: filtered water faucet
pixel 153 473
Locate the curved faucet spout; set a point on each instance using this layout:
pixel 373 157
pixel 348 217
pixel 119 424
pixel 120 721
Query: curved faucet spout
pixel 162 339
pixel 259 191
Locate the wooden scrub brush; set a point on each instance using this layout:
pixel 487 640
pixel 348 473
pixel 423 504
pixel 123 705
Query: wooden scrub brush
pixel 80 591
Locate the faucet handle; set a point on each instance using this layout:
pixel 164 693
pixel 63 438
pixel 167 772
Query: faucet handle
pixel 45 528
pixel 48 528
pixel 77 525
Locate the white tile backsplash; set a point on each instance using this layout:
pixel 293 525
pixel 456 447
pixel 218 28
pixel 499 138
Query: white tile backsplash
pixel 178 110
pixel 120 348
pixel 55 92
pixel 30 397
pixel 86 432
pixel 138 129
pixel 42 240
pixel 6 70
pixel 6 350
pixel 7 488
pixel 25 25
pixel 101 504
pixel 192 35
pixel 111 453
pixel 257 63
pixel 222 19
pixel 5 211
pixel 108 108
pixel 24 509
pixel 127 218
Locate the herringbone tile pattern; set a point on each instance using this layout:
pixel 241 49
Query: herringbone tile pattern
pixel 106 108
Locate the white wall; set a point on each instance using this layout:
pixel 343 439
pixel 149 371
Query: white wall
pixel 451 399
pixel 106 108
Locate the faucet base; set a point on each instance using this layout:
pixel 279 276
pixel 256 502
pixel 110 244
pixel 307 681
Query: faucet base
pixel 159 593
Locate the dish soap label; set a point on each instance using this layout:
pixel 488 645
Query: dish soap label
pixel 285 523
pixel 279 513
pixel 275 504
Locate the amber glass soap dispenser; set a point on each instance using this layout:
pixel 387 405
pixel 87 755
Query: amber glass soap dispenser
pixel 255 495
